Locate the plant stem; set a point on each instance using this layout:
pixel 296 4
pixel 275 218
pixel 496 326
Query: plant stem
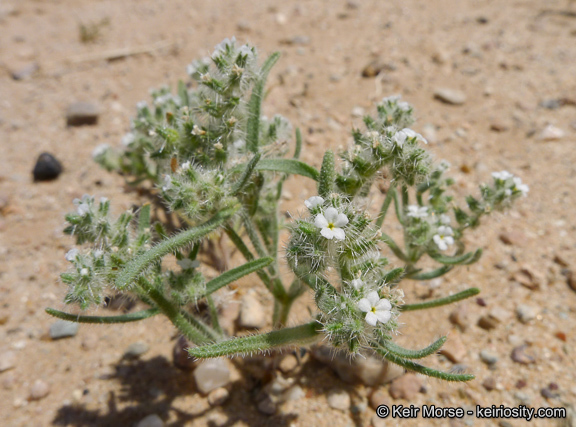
pixel 441 301
pixel 384 209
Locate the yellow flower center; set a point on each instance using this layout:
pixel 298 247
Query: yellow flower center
pixel 331 225
pixel 373 310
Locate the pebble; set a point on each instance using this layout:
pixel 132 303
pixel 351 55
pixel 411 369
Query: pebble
pixel 151 421
pixel 454 349
pixel 460 317
pixel 296 41
pixel 7 361
pixel 489 357
pixel 136 350
pixel 358 112
pixel 369 370
pixel 211 374
pixel 450 96
pixel 571 280
pixel 550 392
pixel 47 167
pixel 338 399
pixel 63 329
pixel 376 67
pixel 526 312
pixel 513 238
pixel 519 355
pixel 429 133
pixel 288 363
pixel 293 393
pixel 379 397
pixel 9 380
pixel 82 113
pixel 489 383
pixel 252 314
pixel 522 397
pixel 551 133
pixel 25 72
pixel 218 396
pixel 499 126
pixel 528 278
pixel 406 387
pixel 267 406
pixel 39 390
pixel 180 357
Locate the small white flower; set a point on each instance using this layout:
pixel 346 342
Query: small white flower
pixel 71 254
pixel 83 208
pixel 237 70
pixel 221 47
pixel 103 200
pixel 84 272
pixel 416 211
pixel 128 139
pixel 98 253
pixel 185 166
pixel 357 283
pixel 197 131
pixel 99 150
pixel 518 186
pixel 411 134
pixel 167 183
pixel 377 309
pixel 403 106
pixel 444 237
pixel 444 219
pixel 313 201
pixel 393 98
pixel 502 176
pixel 399 138
pixel 330 224
pixel 141 105
pixel 218 146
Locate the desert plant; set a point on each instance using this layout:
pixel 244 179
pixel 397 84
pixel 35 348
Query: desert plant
pixel 218 166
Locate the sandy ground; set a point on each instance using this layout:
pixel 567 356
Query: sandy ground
pixel 506 56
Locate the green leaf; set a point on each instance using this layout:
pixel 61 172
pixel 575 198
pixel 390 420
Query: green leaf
pixel 465 259
pixel 255 104
pixel 298 144
pixel 144 218
pixel 429 275
pixel 413 354
pixel 327 175
pixel 236 273
pixel 135 267
pixel 395 248
pixel 441 301
pixel 298 335
pixel 124 318
pixel 393 276
pixel 292 166
pixel 246 174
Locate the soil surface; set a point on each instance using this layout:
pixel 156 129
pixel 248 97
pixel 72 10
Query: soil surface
pixel 515 62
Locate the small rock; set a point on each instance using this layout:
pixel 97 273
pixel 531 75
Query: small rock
pixel 358 112
pixel 450 96
pixel 47 167
pixel 519 355
pixel 526 312
pixel 293 393
pixel 296 41
pixel 351 4
pixel 7 361
pixel 560 260
pixel 277 387
pixel 522 397
pixel 288 363
pixel 406 387
pixel 376 67
pixel 8 380
pixel 136 350
pixel 489 383
pixel 243 26
pixel 228 316
pixel 459 317
pixel 454 349
pixel 252 314
pixel 550 392
pixel 488 357
pixel 218 396
pixel 63 329
pixel 379 397
pixel 339 399
pixel 551 104
pixel 571 280
pixel 560 335
pixel 266 406
pixel 528 278
pixel 513 238
pixel 39 390
pixel 429 133
pixel 551 133
pixel 151 421
pixel 82 113
pixel 180 357
pixel 495 317
pixel 25 72
pixel 211 374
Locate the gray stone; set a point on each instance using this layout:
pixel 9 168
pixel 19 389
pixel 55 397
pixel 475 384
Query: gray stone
pixel 293 393
pixel 339 399
pixel 7 361
pixel 523 398
pixel 82 113
pixel 212 374
pixel 252 314
pixel 450 96
pixel 526 312
pixel 39 390
pixel 488 357
pixel 405 387
pixel 136 349
pixel 63 329
pixel 25 72
pixel 151 421
pixel 266 406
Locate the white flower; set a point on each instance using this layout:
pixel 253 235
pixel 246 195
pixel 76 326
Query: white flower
pixel 71 254
pixel 399 138
pixel 218 146
pixel 444 219
pixel 518 186
pixel 128 139
pixel 98 151
pixel 416 211
pixel 197 131
pixel 83 208
pixel 167 183
pixel 330 224
pixel 84 272
pixel 411 134
pixel 403 106
pixel 221 47
pixel 376 309
pixel 444 237
pixel 313 201
pixel 141 105
pixel 98 253
pixel 357 283
pixel 185 166
pixel 502 176
pixel 393 98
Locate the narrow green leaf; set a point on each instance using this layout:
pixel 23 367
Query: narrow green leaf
pixel 327 175
pixel 441 301
pixel 413 354
pixel 429 275
pixel 393 276
pixel 468 258
pixel 298 335
pixel 236 273
pixel 298 144
pixel 246 175
pixel 290 166
pixel 135 267
pixel 390 195
pixel 124 318
pixel 395 248
pixel 144 218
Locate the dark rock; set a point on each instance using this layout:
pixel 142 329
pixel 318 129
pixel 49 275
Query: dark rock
pixel 47 167
pixel 82 113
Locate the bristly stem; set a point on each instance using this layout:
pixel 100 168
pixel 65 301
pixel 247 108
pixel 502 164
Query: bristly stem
pixel 124 318
pixel 441 301
pixel 390 194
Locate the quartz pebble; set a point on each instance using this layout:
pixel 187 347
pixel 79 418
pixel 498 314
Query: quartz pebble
pixel 339 399
pixel 526 312
pixel 218 396
pixel 450 96
pixel 151 421
pixel 288 363
pixel 252 314
pixel 551 133
pixel 63 329
pixel 39 390
pixel 211 374
pixel 405 387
